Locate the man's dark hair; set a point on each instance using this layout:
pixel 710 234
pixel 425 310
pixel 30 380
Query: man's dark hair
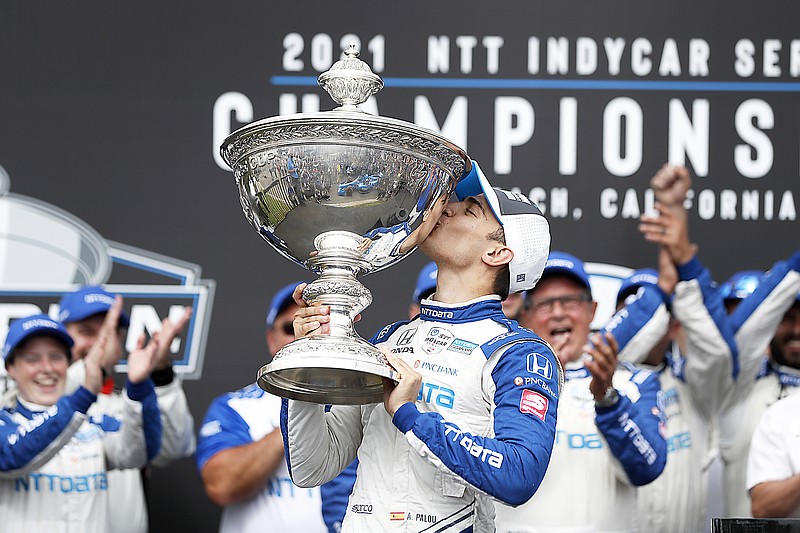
pixel 503 279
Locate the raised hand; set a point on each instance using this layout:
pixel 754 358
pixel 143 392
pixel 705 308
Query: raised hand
pixel 602 364
pixel 670 185
pixel 93 378
pixel 142 360
pixel 167 334
pixel 669 229
pixel 105 352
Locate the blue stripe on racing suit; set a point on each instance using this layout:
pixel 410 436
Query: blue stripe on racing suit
pixel 145 393
pixel 511 465
pixel 633 430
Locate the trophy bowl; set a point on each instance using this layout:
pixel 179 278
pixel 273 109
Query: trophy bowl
pixel 340 193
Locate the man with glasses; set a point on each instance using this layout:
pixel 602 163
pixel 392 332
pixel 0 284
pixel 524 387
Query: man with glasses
pixel 608 416
pixel 240 455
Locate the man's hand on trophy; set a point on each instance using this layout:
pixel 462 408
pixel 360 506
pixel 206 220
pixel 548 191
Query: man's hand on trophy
pixel 407 387
pixel 309 320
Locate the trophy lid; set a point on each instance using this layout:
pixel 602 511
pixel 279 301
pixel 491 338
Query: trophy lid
pixel 350 81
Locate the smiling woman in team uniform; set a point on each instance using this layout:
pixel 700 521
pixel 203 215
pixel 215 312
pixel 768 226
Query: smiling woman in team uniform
pixel 53 458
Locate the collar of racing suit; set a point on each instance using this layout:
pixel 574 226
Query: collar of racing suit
pixel 28 409
pixel 787 375
pixel 470 311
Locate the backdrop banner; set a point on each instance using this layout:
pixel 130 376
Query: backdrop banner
pixel 112 115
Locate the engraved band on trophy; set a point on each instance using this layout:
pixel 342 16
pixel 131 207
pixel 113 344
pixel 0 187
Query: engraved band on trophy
pixel 341 193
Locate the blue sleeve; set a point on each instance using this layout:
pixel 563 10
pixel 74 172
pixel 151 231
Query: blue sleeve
pixel 386 332
pixel 511 465
pixel 636 316
pixel 33 442
pixel 634 431
pixel 145 393
pixel 222 428
pixel 335 495
pixel 766 285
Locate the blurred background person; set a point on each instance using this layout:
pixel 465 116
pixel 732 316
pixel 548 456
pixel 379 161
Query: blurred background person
pixel 83 313
pixel 241 459
pixel 694 380
pixel 54 458
pixel 768 336
pixel 584 488
pixel 773 466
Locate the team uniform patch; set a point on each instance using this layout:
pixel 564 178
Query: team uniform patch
pixel 534 403
pixel 462 346
pixel 437 340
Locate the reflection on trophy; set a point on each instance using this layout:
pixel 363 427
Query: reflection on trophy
pixel 341 193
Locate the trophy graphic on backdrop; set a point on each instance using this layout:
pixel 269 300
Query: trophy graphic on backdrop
pixel 341 193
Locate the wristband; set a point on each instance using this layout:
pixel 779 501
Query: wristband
pixel 163 376
pixel 609 399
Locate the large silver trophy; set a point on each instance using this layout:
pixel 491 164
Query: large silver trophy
pixel 341 193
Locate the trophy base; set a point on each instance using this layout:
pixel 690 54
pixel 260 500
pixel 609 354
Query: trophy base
pixel 327 370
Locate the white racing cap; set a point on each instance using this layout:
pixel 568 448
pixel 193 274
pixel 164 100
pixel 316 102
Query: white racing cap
pixel 526 229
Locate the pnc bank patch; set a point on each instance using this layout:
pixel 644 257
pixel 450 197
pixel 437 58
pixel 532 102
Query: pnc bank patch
pixel 534 403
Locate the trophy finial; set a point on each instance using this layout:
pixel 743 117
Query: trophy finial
pixel 350 81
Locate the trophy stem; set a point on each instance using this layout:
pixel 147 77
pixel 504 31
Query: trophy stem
pixel 339 368
pixel 346 297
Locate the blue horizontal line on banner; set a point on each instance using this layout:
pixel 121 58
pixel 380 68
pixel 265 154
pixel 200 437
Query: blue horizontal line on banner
pixel 578 85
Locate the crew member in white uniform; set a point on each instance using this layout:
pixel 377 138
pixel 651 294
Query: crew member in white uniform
pixel 54 458
pixel 83 312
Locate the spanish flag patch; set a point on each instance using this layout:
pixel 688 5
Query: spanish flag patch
pixel 397 516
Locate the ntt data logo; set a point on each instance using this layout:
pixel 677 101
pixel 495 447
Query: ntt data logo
pixel 46 252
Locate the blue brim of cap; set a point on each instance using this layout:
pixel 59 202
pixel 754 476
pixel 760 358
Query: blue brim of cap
pixel 561 271
pixel 474 184
pixel 281 300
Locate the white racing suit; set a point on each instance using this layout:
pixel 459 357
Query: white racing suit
pixel 54 460
pixel 760 382
pixel 128 508
pixel 676 502
pixel 482 426
pixel 600 456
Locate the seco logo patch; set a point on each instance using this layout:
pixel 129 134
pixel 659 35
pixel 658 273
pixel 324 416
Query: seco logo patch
pixel 534 403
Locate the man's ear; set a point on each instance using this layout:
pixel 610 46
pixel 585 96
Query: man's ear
pixel 498 255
